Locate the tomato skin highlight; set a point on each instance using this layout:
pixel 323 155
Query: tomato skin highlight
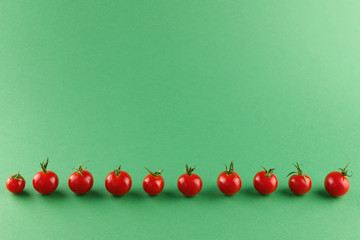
pixel 45 183
pixel 298 185
pixel 15 185
pixel 263 184
pixel 229 184
pixel 189 185
pixel 336 184
pixel 118 185
pixel 81 183
pixel 153 185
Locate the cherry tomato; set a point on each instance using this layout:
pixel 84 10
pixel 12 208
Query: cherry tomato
pixel 118 182
pixel 81 181
pixel 265 182
pixel 153 183
pixel 229 181
pixel 299 183
pixel 15 183
pixel 336 183
pixel 45 182
pixel 189 183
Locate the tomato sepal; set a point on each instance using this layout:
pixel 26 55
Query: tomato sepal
pixel 155 174
pixel 269 172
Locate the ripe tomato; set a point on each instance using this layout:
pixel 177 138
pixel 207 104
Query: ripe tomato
pixel 15 183
pixel 336 183
pixel 153 183
pixel 265 182
pixel 299 183
pixel 118 182
pixel 81 181
pixel 229 181
pixel 189 183
pixel 45 182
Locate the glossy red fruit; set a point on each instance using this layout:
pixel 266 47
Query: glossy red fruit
pixel 81 181
pixel 15 183
pixel 153 183
pixel 189 183
pixel 118 182
pixel 229 181
pixel 299 183
pixel 265 182
pixel 45 182
pixel 336 183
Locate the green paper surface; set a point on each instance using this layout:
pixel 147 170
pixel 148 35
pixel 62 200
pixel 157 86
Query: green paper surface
pixel 165 83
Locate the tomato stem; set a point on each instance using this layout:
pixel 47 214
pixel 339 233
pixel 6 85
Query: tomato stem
pixel 298 171
pixel 269 172
pixel 44 164
pixel 188 170
pixel 230 169
pixel 117 170
pixel 155 174
pixel 17 177
pixel 80 168
pixel 344 171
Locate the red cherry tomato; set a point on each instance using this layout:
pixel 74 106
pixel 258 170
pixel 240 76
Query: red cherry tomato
pixel 118 182
pixel 229 181
pixel 81 181
pixel 153 183
pixel 45 182
pixel 189 183
pixel 299 183
pixel 265 182
pixel 15 183
pixel 336 183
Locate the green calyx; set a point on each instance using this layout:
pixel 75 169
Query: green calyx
pixel 229 170
pixel 117 170
pixel 188 170
pixel 80 168
pixel 155 174
pixel 44 164
pixel 269 172
pixel 17 177
pixel 344 171
pixel 298 171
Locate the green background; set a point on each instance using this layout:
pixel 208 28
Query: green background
pixel 164 83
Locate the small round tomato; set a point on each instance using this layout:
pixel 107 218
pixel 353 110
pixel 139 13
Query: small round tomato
pixel 45 182
pixel 299 183
pixel 265 182
pixel 118 182
pixel 336 183
pixel 189 183
pixel 153 183
pixel 81 181
pixel 15 183
pixel 229 181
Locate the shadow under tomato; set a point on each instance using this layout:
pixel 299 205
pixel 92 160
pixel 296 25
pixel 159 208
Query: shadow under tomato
pixel 322 193
pixel 24 193
pixel 55 194
pixel 92 194
pixel 134 194
pixel 127 195
pixel 288 193
pixel 251 192
pixel 170 194
pixel 213 192
pixel 139 194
